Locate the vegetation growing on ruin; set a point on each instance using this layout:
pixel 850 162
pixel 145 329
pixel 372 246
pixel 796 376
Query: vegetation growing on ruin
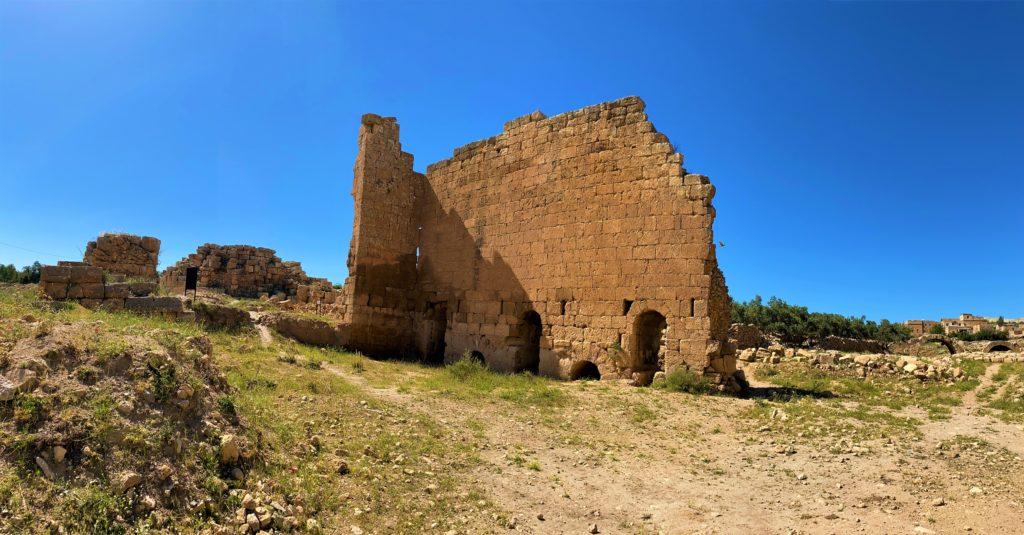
pixel 794 324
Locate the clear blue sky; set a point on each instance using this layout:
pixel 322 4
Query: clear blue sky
pixel 868 156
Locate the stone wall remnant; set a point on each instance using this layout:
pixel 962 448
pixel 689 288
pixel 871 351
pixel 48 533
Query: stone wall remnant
pixel 746 336
pixel 238 270
pixel 851 345
pixel 89 286
pixel 124 254
pixel 553 243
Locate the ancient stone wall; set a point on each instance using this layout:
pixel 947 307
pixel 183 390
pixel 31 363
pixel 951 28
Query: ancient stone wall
pixel 238 270
pixel 86 284
pixel 746 336
pixel 851 345
pixel 561 241
pixel 124 254
pixel 382 256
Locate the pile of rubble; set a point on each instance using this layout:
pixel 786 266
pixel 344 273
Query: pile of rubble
pixel 862 364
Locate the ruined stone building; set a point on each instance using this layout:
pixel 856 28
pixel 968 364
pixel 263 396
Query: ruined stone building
pixel 238 270
pixel 572 246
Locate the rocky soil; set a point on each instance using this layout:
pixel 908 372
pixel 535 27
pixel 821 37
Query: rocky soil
pixel 255 432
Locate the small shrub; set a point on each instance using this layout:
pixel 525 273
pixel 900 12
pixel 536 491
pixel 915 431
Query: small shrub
pixel 164 378
pixel 314 363
pixel 226 405
pixel 287 359
pixel 358 366
pixel 465 368
pixel 683 380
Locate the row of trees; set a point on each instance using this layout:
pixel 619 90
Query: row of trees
pixel 27 275
pixel 795 324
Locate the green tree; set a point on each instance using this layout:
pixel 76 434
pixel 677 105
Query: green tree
pixel 795 324
pixel 27 275
pixel 937 329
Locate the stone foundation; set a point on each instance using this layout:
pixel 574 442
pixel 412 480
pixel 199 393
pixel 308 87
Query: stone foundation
pixel 89 286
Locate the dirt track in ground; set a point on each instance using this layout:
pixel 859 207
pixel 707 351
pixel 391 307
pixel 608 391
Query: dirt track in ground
pixel 634 460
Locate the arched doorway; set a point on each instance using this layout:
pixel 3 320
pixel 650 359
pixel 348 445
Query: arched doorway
pixel 997 347
pixel 584 370
pixel 528 356
pixel 476 356
pixel 648 332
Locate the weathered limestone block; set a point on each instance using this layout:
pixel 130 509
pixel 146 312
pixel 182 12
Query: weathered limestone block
pixel 154 304
pixel 85 274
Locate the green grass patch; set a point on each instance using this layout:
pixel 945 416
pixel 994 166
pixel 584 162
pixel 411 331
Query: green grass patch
pixel 468 379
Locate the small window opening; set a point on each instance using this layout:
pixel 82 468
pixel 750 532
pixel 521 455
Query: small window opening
pixel 693 305
pixel 563 306
pixel 626 305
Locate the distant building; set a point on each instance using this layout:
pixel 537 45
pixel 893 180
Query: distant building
pixel 968 323
pixel 920 327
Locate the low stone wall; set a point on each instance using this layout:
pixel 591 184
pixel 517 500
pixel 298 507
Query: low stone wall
pixel 238 270
pixel 746 336
pixel 215 316
pixel 851 345
pixel 168 307
pixel 89 286
pixel 307 330
pixel 124 254
pixel 862 364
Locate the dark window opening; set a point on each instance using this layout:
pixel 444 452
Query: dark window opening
pixel 563 302
pixel 693 306
pixel 626 305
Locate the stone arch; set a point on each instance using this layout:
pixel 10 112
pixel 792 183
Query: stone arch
pixel 584 369
pixel 647 340
pixel 528 354
pixel 937 338
pixel 476 356
pixel 993 347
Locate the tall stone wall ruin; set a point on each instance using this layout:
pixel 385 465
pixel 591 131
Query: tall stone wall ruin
pixel 382 256
pixel 124 254
pixel 563 245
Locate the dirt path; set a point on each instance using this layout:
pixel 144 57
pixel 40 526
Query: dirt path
pixel 967 419
pixel 696 467
pixel 266 337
